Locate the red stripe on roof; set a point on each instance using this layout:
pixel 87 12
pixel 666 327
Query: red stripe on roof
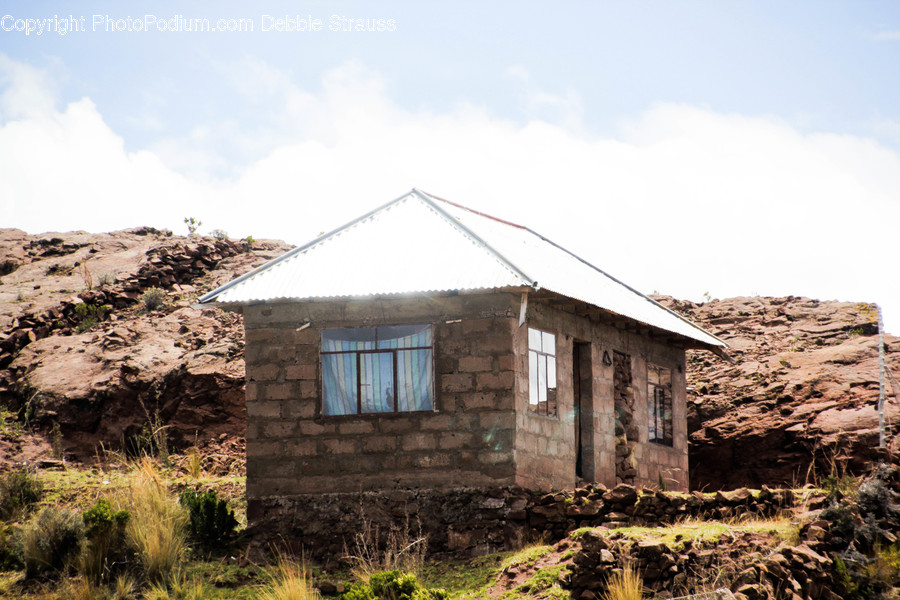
pixel 476 212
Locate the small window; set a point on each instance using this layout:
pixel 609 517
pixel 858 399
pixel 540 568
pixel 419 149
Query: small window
pixel 377 370
pixel 542 372
pixel 659 398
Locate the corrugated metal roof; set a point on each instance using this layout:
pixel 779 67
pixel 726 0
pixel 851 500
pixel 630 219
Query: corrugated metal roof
pixel 421 243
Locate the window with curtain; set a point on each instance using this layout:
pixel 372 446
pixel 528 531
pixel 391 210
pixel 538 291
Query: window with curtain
pixel 542 372
pixel 377 369
pixel 659 399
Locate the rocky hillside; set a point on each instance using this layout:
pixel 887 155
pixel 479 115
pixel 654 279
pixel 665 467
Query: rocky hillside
pixel 84 362
pixel 800 401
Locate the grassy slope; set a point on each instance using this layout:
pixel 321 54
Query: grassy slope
pixel 532 572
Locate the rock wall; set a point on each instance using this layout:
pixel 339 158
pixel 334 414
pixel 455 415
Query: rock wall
pixel 471 521
pixel 786 573
pixel 841 550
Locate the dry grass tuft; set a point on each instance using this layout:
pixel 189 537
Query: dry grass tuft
pixel 176 587
pixel 156 529
pixel 624 584
pixel 290 581
pixel 194 463
pixel 124 588
pixel 399 550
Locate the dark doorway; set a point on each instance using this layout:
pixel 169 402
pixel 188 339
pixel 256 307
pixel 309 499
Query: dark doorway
pixel 584 410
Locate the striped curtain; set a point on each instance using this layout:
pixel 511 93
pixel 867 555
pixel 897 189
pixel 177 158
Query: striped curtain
pixel 363 361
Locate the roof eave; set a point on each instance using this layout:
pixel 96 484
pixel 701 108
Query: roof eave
pixel 518 289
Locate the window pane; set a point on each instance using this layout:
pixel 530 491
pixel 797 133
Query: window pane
pixel 665 377
pixel 349 339
pixel 532 379
pixel 415 387
pixel 551 372
pixel 377 382
pixel 549 343
pixel 404 336
pixel 534 339
pixel 339 384
pixel 660 408
pixel 542 379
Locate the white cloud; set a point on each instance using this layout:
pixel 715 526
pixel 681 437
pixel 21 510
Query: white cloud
pixel 684 200
pixel 65 169
pixel 25 91
pixel 886 36
pixel 565 110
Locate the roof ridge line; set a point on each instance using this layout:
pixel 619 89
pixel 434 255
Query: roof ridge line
pixel 625 285
pixel 472 210
pixel 291 253
pixel 426 197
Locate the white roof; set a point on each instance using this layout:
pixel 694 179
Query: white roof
pixel 419 243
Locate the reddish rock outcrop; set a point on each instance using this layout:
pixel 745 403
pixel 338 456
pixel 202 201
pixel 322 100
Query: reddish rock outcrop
pixel 801 399
pixel 80 355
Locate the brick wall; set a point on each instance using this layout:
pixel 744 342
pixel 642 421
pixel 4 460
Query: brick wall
pixel 467 441
pixel 545 446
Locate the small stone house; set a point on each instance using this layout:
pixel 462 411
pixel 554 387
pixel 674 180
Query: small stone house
pixel 427 345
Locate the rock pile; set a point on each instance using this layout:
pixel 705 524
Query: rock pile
pixel 181 262
pixel 786 573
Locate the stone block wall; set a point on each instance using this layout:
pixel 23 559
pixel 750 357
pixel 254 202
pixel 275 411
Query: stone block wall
pixel 468 440
pixel 545 446
pixel 657 462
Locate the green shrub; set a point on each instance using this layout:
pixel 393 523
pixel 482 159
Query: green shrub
pixel 192 224
pixel 153 299
pixel 211 523
pixel 101 519
pixel 359 591
pixel 393 585
pixel 52 541
pixel 105 547
pixel 89 315
pixel 18 491
pixel 11 548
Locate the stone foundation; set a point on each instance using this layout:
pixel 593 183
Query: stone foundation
pixel 468 521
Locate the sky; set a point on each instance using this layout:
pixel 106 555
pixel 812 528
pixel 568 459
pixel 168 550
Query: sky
pixel 692 148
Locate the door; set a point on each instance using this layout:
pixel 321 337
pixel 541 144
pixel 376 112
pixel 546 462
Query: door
pixel 584 410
